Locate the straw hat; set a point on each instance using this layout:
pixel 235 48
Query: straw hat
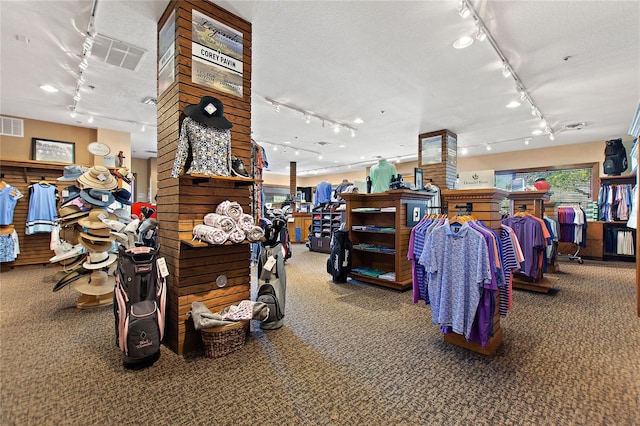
pixel 70 214
pixel 69 233
pixel 96 284
pixel 98 177
pixel 66 251
pixel 97 197
pixel 124 174
pixel 99 259
pixel 97 234
pixel 94 219
pixel 70 173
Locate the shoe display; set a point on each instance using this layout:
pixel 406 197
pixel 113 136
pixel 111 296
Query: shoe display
pixel 238 168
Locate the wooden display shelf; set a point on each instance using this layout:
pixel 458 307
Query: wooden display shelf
pixel 197 243
pixel 396 285
pixel 197 178
pixel 544 285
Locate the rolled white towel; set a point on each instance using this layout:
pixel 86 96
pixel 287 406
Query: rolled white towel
pixel 210 234
pixel 246 222
pixel 255 234
pixel 237 235
pixel 219 221
pixel 233 209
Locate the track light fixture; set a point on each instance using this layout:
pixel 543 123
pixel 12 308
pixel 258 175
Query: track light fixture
pixel 307 115
pixel 465 8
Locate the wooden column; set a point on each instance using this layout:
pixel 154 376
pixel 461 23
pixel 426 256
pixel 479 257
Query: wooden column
pixel 292 178
pixel 438 158
pixel 183 202
pixel 485 206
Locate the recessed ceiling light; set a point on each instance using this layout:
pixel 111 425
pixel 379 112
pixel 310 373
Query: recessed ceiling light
pixel 513 104
pixel 464 151
pixel 287 142
pixel 462 42
pixel 48 88
pixel 537 132
pixel 358 121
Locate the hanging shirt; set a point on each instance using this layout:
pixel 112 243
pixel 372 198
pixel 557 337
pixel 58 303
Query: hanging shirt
pixel 323 193
pixel 381 175
pixel 9 196
pixel 42 213
pixel 457 266
pixel 210 149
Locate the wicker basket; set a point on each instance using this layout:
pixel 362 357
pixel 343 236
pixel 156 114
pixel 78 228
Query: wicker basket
pixel 220 341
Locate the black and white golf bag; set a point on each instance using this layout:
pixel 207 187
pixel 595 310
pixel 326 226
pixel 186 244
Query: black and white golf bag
pixel 272 277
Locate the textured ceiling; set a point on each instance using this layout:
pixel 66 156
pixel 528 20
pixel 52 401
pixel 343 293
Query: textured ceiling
pixel 390 63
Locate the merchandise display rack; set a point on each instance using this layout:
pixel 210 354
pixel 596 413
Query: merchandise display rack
pixel 485 206
pixel 533 203
pixel 373 227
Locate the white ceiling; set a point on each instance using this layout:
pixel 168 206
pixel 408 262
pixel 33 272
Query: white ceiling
pixel 390 63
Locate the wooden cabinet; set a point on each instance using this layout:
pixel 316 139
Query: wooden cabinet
pixel 379 232
pixel 301 222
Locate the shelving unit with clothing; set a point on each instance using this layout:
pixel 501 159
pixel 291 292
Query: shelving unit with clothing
pixel 614 202
pixel 379 232
pixel 325 220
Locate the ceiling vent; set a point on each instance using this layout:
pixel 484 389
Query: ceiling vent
pixel 575 126
pixel 12 127
pixel 150 101
pixel 116 52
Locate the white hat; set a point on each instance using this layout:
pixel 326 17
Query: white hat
pixel 66 251
pixel 99 259
pixel 96 284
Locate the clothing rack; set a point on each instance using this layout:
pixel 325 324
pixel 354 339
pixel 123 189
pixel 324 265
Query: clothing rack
pixel 487 207
pixel 531 202
pixel 575 255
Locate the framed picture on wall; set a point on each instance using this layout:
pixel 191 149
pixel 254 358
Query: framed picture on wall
pixel 53 151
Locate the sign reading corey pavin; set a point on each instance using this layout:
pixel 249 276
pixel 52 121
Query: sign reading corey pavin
pixel 216 51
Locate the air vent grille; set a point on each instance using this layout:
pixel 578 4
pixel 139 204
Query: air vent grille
pixel 12 127
pixel 116 52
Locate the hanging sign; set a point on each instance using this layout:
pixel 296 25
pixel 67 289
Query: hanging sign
pixel 166 53
pixel 216 51
pixel 476 179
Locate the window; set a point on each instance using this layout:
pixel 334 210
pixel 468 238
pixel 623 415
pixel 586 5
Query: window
pixel 569 184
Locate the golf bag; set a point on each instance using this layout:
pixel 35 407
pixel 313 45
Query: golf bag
pixel 339 262
pixel 615 158
pixel 139 306
pixel 272 277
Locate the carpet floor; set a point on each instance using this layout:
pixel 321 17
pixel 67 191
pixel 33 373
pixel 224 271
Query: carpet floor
pixel 349 354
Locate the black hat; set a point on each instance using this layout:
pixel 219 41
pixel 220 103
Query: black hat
pixel 208 112
pixel 123 196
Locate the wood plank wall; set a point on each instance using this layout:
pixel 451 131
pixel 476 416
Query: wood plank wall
pixel 182 203
pixel 34 249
